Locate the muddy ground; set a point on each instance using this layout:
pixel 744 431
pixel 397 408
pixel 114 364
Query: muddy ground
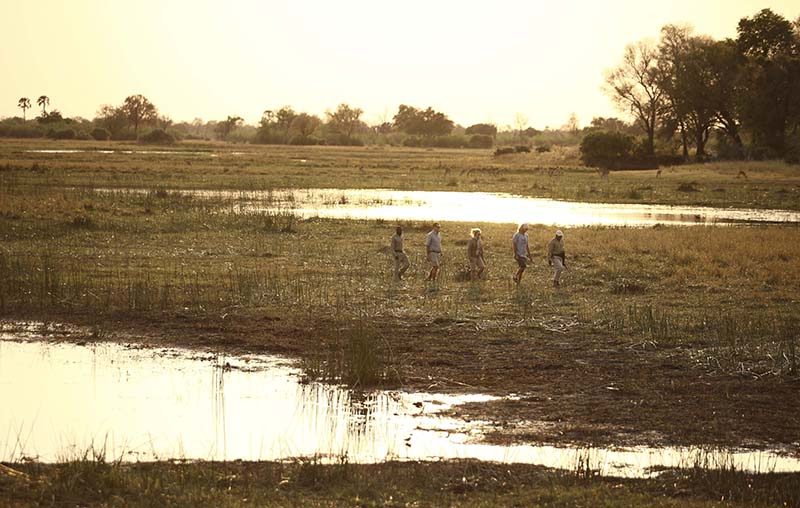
pixel 571 385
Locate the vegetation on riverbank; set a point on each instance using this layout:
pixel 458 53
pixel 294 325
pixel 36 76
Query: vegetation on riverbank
pixel 90 482
pixel 557 174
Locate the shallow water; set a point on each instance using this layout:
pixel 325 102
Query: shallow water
pixel 61 399
pixel 502 208
pixel 128 152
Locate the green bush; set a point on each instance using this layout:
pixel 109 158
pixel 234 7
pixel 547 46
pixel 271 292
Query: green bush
pixel 157 137
pixel 100 134
pixel 606 149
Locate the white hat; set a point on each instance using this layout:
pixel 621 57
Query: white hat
pixel 524 225
pixel 559 233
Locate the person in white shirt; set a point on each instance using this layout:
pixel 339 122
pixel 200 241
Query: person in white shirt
pixel 522 253
pixel 556 257
pixel 433 249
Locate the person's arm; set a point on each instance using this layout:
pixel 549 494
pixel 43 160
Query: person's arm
pixel 428 244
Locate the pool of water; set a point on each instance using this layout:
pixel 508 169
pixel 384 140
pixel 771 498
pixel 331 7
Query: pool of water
pixel 60 399
pixel 502 208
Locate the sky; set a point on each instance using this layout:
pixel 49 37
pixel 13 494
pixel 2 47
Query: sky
pixel 476 61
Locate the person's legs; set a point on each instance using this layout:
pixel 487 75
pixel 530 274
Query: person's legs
pixel 522 263
pixel 397 266
pixel 558 267
pixel 433 258
pixel 404 264
pixel 481 267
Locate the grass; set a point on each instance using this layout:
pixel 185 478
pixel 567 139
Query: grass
pixel 93 482
pixel 557 174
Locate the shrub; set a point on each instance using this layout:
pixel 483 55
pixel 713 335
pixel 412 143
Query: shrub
pixel 61 134
pixel 503 151
pixel 606 149
pixel 543 148
pixel 100 134
pixel 343 140
pixel 305 140
pixel 522 149
pixel 480 141
pixel 157 137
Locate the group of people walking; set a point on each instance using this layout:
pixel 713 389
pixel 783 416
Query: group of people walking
pixel 477 264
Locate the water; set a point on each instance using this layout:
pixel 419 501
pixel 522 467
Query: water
pixel 129 152
pixel 61 399
pixel 474 207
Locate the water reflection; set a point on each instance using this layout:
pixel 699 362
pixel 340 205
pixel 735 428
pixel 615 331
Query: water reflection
pixel 477 207
pixel 60 399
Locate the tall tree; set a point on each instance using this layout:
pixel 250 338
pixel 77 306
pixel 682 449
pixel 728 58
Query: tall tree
pixel 138 109
pixel 43 101
pixel 770 98
pixel 225 127
pixel 426 122
pixel 345 120
pixel 24 103
pixel 688 79
pixel 304 125
pixel 635 87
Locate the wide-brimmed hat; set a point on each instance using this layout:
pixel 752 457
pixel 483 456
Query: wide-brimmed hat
pixel 559 233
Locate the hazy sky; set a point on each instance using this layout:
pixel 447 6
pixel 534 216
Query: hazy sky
pixel 476 61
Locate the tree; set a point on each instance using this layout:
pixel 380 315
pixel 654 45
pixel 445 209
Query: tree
pixel 485 129
pixel 426 123
pixel 303 126
pixel 766 35
pixel 521 123
pixel 688 79
pixel 138 109
pixel 770 79
pixel 225 127
pixel 572 125
pixel 112 119
pixel 635 86
pixel 43 101
pixel 284 118
pixel 345 120
pixel 24 103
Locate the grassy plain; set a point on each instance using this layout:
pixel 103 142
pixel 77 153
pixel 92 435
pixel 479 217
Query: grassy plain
pixel 557 174
pixel 661 335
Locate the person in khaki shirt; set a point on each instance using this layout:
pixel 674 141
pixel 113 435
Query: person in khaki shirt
pixel 401 262
pixel 556 257
pixel 475 254
pixel 433 251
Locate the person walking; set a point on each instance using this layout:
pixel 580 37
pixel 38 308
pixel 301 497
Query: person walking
pixel 401 262
pixel 556 257
pixel 433 249
pixel 475 254
pixel 522 253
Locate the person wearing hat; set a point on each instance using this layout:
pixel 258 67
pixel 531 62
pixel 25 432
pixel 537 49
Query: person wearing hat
pixel 556 257
pixel 522 253
pixel 401 262
pixel 475 254
pixel 433 250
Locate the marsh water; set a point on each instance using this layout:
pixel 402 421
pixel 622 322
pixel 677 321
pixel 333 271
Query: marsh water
pixel 390 205
pixel 61 399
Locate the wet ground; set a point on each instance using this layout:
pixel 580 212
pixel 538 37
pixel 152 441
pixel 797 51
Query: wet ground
pixel 140 403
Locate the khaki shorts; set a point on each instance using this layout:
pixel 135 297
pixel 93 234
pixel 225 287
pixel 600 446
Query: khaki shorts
pixel 522 261
pixel 435 258
pixel 476 263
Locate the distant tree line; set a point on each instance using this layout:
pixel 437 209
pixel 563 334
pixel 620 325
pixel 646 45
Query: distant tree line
pixel 687 90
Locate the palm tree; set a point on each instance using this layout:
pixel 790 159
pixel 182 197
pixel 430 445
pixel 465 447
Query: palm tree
pixel 43 101
pixel 25 104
